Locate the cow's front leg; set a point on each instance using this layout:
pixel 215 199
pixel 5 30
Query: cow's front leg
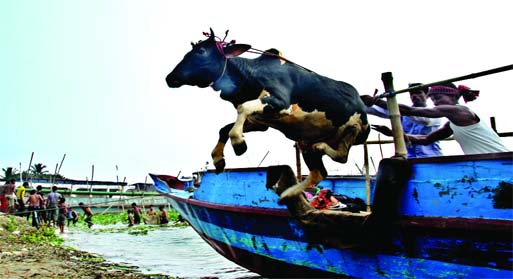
pixel 236 133
pixel 218 151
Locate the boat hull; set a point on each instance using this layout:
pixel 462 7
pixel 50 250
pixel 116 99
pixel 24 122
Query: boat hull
pixel 241 219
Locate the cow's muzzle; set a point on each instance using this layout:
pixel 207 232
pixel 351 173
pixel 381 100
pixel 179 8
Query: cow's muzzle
pixel 172 82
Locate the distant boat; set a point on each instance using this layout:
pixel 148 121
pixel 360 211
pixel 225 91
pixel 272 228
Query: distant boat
pixel 82 185
pixel 455 221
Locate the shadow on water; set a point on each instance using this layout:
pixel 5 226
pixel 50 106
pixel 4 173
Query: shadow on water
pixel 173 251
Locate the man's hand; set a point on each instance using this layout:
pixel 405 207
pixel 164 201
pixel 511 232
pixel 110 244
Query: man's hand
pixel 382 129
pixel 368 100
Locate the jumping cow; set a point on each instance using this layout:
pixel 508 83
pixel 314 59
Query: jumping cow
pixel 322 115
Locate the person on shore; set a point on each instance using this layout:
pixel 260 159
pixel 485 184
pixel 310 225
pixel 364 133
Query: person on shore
pixel 63 210
pixel 164 219
pixel 20 196
pixel 52 206
pixel 72 216
pixel 130 216
pixel 88 214
pixel 473 136
pixel 33 202
pixel 152 211
pixel 415 125
pixel 10 197
pixel 137 214
pixel 3 200
pixel 42 205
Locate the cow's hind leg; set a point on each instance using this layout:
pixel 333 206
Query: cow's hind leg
pixel 313 160
pixel 353 132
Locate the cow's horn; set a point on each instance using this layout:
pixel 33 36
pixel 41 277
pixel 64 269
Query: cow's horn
pixel 212 36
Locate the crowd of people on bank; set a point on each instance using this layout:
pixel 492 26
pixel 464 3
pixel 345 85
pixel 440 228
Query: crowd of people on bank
pixel 51 210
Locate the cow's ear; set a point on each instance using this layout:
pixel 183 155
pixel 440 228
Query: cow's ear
pixel 235 50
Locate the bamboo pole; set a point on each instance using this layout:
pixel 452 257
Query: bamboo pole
pixel 62 162
pixel 28 169
pixel 367 177
pixel 298 162
pixel 395 116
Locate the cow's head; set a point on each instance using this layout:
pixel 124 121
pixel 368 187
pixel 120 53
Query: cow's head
pixel 205 63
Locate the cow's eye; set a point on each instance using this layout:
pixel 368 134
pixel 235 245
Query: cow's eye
pixel 201 51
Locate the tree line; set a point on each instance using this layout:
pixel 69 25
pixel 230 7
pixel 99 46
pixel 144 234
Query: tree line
pixel 38 170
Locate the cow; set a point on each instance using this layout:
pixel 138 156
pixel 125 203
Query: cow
pixel 324 116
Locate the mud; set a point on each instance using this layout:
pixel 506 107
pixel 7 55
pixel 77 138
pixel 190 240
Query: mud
pixel 21 257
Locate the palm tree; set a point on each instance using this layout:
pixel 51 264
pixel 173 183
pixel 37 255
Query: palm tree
pixel 38 170
pixel 10 173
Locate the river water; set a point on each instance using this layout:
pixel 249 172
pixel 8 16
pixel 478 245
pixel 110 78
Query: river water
pixel 175 251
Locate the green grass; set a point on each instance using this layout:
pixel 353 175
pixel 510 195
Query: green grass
pixel 44 234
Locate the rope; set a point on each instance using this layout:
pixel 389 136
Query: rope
pixel 258 51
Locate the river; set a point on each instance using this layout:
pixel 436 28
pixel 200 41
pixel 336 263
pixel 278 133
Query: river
pixel 175 251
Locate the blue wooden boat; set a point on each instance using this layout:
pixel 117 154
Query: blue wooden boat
pixel 455 220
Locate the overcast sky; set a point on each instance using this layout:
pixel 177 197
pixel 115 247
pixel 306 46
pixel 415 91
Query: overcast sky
pixel 86 78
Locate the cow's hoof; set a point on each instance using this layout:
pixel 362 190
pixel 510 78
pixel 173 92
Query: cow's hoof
pixel 240 148
pixel 220 165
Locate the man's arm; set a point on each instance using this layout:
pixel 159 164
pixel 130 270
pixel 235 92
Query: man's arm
pixel 440 134
pixel 435 112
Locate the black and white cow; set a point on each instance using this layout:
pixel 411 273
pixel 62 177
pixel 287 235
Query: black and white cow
pixel 323 115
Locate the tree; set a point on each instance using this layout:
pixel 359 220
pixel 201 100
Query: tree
pixel 38 170
pixel 10 173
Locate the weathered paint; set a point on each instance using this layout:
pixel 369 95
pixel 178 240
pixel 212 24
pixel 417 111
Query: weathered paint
pixel 456 234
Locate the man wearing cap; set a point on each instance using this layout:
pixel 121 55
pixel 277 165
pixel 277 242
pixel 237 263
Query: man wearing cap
pixel 414 125
pixel 473 136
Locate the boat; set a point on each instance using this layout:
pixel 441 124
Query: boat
pixel 81 185
pixel 453 218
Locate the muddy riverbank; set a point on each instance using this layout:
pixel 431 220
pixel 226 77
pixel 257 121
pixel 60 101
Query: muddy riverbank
pixel 26 253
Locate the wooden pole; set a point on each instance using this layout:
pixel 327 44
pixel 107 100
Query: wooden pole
pixel 30 165
pixel 62 162
pixel 298 162
pixel 367 177
pixel 55 173
pixel 395 116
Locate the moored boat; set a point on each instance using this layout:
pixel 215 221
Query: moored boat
pixel 455 220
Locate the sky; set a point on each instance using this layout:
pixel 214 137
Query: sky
pixel 87 78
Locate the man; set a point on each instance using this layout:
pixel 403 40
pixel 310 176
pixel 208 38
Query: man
pixel 163 215
pixel 42 205
pixel 20 196
pixel 473 136
pixel 10 197
pixel 3 200
pixel 33 201
pixel 52 206
pixel 88 214
pixel 414 125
